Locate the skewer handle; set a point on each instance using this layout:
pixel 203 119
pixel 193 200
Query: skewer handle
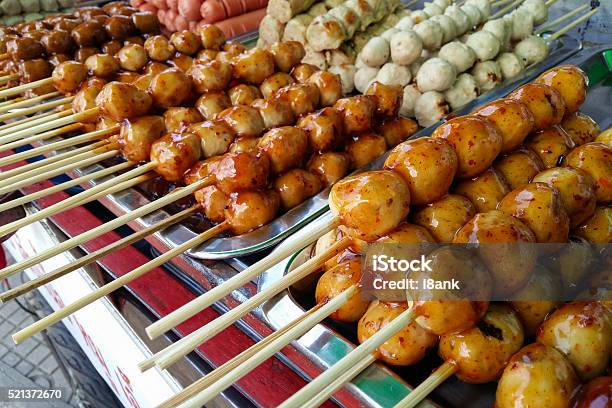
pixel 570 26
pixel 187 344
pixel 41 136
pixel 37 108
pixel 94 256
pixel 55 317
pixel 31 121
pixel 436 378
pixel 367 347
pixel 20 88
pixel 564 17
pixel 22 102
pixel 67 119
pixel 202 302
pixel 504 10
pixel 272 348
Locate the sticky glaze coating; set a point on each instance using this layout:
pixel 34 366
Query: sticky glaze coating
pixel 581 128
pixel 324 129
pixel 137 136
pixel 245 121
pixel 365 148
pixel 210 104
pixel 335 281
pixel 102 65
pixel 286 147
pixel 551 145
pixel 302 98
pixel 274 113
pixel 598 228
pixel 512 118
pixel 518 167
pixel 330 166
pixel 571 83
pixel 170 88
pixel 121 101
pixel 242 171
pixel 68 76
pixel 174 154
pixel 357 113
pixel 295 186
pixel 596 160
pixel 545 103
pixel 254 66
pixel 249 210
pixel 485 191
pixel 444 217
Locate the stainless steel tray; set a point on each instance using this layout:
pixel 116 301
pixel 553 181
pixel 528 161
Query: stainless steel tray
pixel 378 385
pixel 286 224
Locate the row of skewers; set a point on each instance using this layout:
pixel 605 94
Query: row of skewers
pixel 246 169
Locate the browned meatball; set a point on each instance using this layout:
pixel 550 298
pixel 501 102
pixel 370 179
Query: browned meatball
pixel 357 113
pixel 476 141
pixel 596 160
pixel 287 54
pixel 216 137
pixel 170 88
pixel 86 97
pixel 210 104
pixel 545 103
pixel 388 98
pixel 57 59
pixel 174 154
pixel 571 83
pixel 519 167
pixel 58 42
pixel 207 55
pixel 286 147
pixel 211 36
pixel 83 53
pixel 68 76
pixel 211 76
pixel 146 22
pixel 34 69
pixel 580 127
pixel 24 48
pixel 302 72
pixel 186 42
pixel 335 281
pixel 178 118
pixel 132 57
pixel 254 66
pixel 551 145
pixel 182 62
pixel 67 24
pixel 365 148
pixel 512 118
pixel 302 98
pixel 443 218
pixel 485 191
pixel 249 210
pixel 89 34
pixel 102 65
pixel 243 94
pixel 121 101
pixel 324 129
pixel 159 48
pixel 120 27
pixel 213 202
pixel 396 130
pixel 330 166
pixel 296 185
pixel 242 171
pixel 137 135
pixel 275 82
pixel 274 113
pixel 330 87
pixel 245 121
pixel 112 47
pixel 154 67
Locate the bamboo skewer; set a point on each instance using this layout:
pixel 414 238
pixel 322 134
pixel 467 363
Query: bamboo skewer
pixel 85 196
pixel 87 137
pixel 41 136
pixel 6 78
pixel 207 299
pixel 104 228
pixel 63 186
pixel 25 87
pixel 33 168
pixel 311 390
pixel 47 321
pixel 63 118
pixel 219 372
pixel 505 9
pixel 272 348
pixel 96 255
pixel 570 26
pixel 22 102
pixel 97 157
pixel 30 121
pixel 37 108
pixel 564 17
pixel 446 370
pixel 168 356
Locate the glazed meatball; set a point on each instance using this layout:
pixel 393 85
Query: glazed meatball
pixel 102 65
pixel 544 102
pixel 388 98
pixel 178 118
pixel 571 83
pixel 512 118
pixel 245 121
pixel 242 171
pixel 254 66
pixel 215 136
pixel 302 72
pixel 274 113
pixel 58 42
pixel 427 165
pixel 596 160
pixel 275 82
pixel 357 113
pixel 120 27
pixel 132 57
pixel 24 48
pixel 594 392
pixel 287 54
pixel 296 185
pixel 551 145
pixel 213 202
pixel 485 190
pixel 85 98
pixel 185 42
pixel 213 76
pixel 519 167
pixel 174 154
pixel 210 104
pixel 476 141
pixel 83 53
pixel 539 206
pixel 324 129
pixel 337 280
pixel 370 204
pixel 330 166
pixel 211 36
pixel 88 34
pixel 121 101
pixel 137 136
pixel 598 228
pixel 249 210
pixel 302 98
pixel 580 127
pixel 146 22
pixel 406 347
pixel 443 218
pixel 286 147
pixel 396 130
pixel 68 76
pixel 243 94
pixel 170 88
pixel 159 48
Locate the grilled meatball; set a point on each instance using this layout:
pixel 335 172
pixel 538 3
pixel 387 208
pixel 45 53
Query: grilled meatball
pixel 89 34
pixel 120 27
pixel 212 76
pixel 211 36
pixel 242 171
pixel 581 128
pixel 365 148
pixel 146 22
pixel 512 118
pixel 302 72
pixel 215 136
pixel 357 113
pixel 275 82
pixel 545 103
pixel 596 160
pixel 121 101
pixel 551 145
pixel 178 118
pixel 210 104
pixel 186 42
pixel 295 186
pixel 485 190
pixel 330 166
pixel 245 121
pixel 274 113
pixel 58 42
pixel 85 98
pixel 137 136
pixel 519 167
pixel 287 54
pixel 174 154
pixel 444 217
pixel 302 98
pixel 159 48
pixel 102 65
pixel 254 66
pixel 170 88
pixel 337 280
pixel 132 57
pixel 68 76
pixel 571 83
pixel 324 129
pixel 286 147
pixel 24 48
pixel 213 202
pixel 598 228
pixel 243 94
pixel 330 87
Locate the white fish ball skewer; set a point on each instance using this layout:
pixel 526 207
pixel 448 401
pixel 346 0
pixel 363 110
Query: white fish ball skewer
pixel 406 47
pixel 487 74
pixel 531 50
pixel 510 65
pixel 435 74
pixel 410 96
pixel 430 108
pixel 459 55
pixel 394 74
pixel 485 45
pixel 363 77
pixel 464 90
pixel 376 52
pixel 431 34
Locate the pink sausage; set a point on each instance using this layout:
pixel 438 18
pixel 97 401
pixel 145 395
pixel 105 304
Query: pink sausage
pixel 213 11
pixel 171 20
pixel 173 5
pixel 148 7
pixel 190 9
pixel 136 3
pixel 160 4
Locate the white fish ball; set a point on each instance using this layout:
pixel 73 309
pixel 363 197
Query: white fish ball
pixel 375 52
pixel 406 47
pixel 419 16
pixel 405 23
pixel 522 24
pixel 538 9
pixel 387 34
pixel 459 55
pixel 394 74
pixel 433 9
pixel 410 96
pixel 430 108
pixel 497 27
pixel 531 50
pixel 484 44
pixel 363 78
pixel 510 65
pixel 464 90
pixel 473 14
pixel 487 75
pixel 346 72
pixel 462 21
pixel 449 28
pixel 431 34
pixel 435 74
pixel 484 6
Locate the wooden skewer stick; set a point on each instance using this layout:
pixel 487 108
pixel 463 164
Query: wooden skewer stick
pixel 37 108
pixel 106 227
pixel 25 87
pixel 22 102
pixel 63 186
pixel 410 3
pixel 550 3
pixel 200 303
pixel 31 168
pixel 570 26
pixel 41 136
pixel 88 195
pixel 98 157
pixel 230 365
pixel 505 9
pixel 436 378
pixel 6 78
pixel 96 255
pixel 564 17
pixel 55 317
pixel 311 390
pixel 499 3
pixel 87 137
pixel 31 120
pixel 11 101
pixel 5 56
pixel 272 348
pixel 64 118
pixel 170 355
pixel 340 382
